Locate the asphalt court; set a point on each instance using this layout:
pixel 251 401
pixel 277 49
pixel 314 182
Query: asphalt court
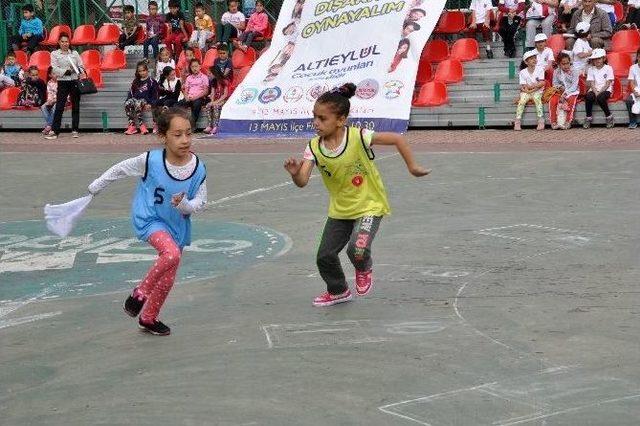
pixel 505 292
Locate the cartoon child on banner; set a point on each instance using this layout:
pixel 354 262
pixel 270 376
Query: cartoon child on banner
pixel 410 25
pixel 291 32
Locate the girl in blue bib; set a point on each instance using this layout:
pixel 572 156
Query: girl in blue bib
pixel 172 186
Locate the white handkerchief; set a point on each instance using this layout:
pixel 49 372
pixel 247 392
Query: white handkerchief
pixel 61 218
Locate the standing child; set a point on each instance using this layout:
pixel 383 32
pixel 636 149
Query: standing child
pixel 512 14
pixel 480 22
pixel 178 35
pixel 357 197
pixel 33 90
pixel 634 96
pixel 531 87
pixel 223 62
pixel 195 90
pixel 142 95
pixel 154 25
pixel 172 188
pixel 12 69
pixel 219 95
pixel 164 60
pixel 599 87
pixel 31 30
pixel 169 93
pixel 231 24
pixel 581 48
pixel 256 27
pixel 203 28
pixel 129 34
pixel 566 81
pixel 48 108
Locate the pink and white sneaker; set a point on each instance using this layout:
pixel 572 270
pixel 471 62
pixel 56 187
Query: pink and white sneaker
pixel 327 299
pixel 207 129
pixel 131 130
pixel 363 282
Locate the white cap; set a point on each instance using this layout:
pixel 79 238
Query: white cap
pixel 529 54
pixel 540 37
pixel 582 27
pixel 598 53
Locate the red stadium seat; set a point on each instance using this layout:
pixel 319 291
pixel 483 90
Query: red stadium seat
pixel 268 34
pixel 54 35
pixel 84 34
pixel 241 59
pixel 21 59
pixel 451 22
pixel 449 71
pixel 627 41
pixel 616 92
pixel 9 97
pixel 182 60
pixel 96 75
pixel 424 72
pixel 188 26
pixel 620 62
pixel 107 34
pixel 113 60
pixel 465 49
pixel 41 59
pixel 619 11
pixel 238 76
pixel 91 58
pixel 434 93
pixel 556 43
pixel 435 51
pixel 209 58
pixel 141 36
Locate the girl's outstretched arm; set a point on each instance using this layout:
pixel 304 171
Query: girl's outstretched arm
pixel 387 138
pixel 299 169
pixel 134 166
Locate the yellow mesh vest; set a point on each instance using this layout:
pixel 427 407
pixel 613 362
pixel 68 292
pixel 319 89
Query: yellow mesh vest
pixel 352 179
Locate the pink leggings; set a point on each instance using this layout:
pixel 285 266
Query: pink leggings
pixel 156 285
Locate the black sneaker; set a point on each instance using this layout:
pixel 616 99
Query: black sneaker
pixel 132 306
pixel 156 327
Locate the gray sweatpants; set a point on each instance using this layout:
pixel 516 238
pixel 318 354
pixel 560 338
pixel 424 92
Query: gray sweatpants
pixel 359 234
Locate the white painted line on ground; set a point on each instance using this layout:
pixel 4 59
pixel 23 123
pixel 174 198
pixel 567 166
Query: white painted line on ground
pixel 266 333
pixel 322 330
pixel 24 320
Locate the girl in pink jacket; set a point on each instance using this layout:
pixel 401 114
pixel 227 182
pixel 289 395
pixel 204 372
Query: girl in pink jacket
pixel 257 26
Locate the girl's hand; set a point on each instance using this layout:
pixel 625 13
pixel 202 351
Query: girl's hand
pixel 419 171
pixel 177 199
pixel 292 165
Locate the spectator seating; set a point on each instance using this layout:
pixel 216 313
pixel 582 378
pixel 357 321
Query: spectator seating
pixel 91 58
pixel 435 51
pixel 465 49
pixel 238 76
pixel 620 62
pixel 451 22
pixel 619 11
pixel 556 43
pixel 84 34
pixel 141 36
pixel 241 59
pixel 268 34
pixel 113 60
pixel 108 34
pixel 434 93
pixel 449 71
pixel 182 60
pixel 8 97
pixel 96 75
pixel 21 58
pixel 54 35
pixel 424 72
pixel 209 58
pixel 626 41
pixel 42 60
pixel 616 92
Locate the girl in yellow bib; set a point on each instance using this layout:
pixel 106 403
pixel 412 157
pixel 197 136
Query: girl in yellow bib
pixel 357 198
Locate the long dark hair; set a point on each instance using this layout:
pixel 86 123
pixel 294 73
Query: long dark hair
pixel 164 121
pixel 338 99
pixel 165 73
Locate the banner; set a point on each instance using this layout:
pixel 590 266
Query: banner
pixel 318 45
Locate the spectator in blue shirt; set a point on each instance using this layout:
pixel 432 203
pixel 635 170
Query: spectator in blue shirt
pixel 31 30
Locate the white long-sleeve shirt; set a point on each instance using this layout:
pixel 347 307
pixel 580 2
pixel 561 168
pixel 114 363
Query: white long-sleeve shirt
pixel 136 166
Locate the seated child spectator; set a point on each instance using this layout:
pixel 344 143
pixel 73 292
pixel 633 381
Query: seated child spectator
pixel 565 11
pixel 12 69
pixel 224 62
pixel 480 21
pixel 231 25
pixel 634 96
pixel 154 25
pixel 203 28
pixel 581 48
pixel 195 90
pixel 178 35
pixel 31 30
pixel 256 27
pixel 566 81
pixel 183 67
pixel 169 93
pixel 512 14
pixel 129 33
pixel 544 54
pixel 219 95
pixel 600 85
pixel 33 91
pixel 142 95
pixel 49 106
pixel 164 60
pixel 531 87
